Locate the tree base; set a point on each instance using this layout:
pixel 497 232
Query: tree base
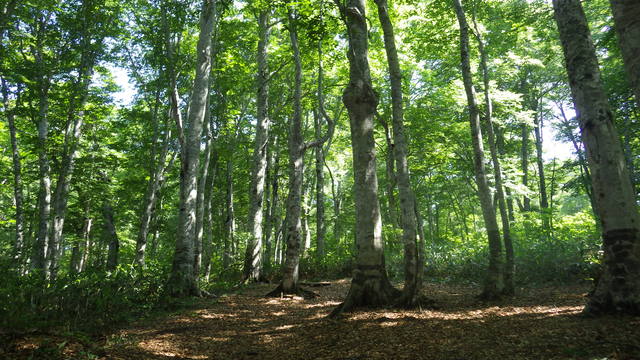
pixel 280 292
pixel 614 296
pixel 416 301
pixel 369 288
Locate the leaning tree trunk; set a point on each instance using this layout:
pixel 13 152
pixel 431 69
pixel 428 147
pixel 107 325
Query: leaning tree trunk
pixel 493 285
pixel 370 284
pixel 18 245
pixel 618 289
pixel 625 17
pixel 509 269
pixel 412 267
pixel 182 281
pixel 253 259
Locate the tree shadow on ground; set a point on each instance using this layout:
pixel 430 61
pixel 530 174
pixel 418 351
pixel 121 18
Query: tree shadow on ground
pixel 542 323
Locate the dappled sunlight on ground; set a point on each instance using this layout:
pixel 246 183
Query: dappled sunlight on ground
pixel 542 323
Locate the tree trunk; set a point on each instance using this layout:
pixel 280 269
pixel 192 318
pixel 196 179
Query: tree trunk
pixel 44 192
pixel 73 133
pixel 320 224
pixel 493 285
pixel 369 285
pixel 182 281
pixel 253 259
pixel 274 166
pixel 156 170
pixel 509 269
pixel 542 181
pixel 200 197
pixel 524 162
pixel 230 221
pixel 19 244
pixel 618 289
pixel 111 236
pixel 412 267
pixel 625 17
pixel 207 215
pixel 297 149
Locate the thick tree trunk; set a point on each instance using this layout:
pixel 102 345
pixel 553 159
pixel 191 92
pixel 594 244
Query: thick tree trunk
pixel 253 258
pixel 625 16
pixel 370 285
pixel 618 289
pixel 493 286
pixel 182 281
pixel 18 197
pixel 412 267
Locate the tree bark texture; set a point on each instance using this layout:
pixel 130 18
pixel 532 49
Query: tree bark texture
pixel 370 284
pixel 493 286
pixel 618 289
pixel 412 267
pixel 253 258
pixel 626 18
pixel 182 281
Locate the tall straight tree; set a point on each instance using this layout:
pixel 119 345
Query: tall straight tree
pixel 18 194
pixel 182 281
pixel 412 266
pixel 493 285
pixel 618 289
pixel 509 287
pixel 297 149
pixel 370 284
pixel 253 258
pixel 625 16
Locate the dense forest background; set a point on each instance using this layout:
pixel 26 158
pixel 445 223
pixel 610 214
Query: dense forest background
pixel 229 159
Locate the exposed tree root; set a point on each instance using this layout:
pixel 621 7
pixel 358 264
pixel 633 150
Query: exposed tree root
pixel 280 292
pixel 369 288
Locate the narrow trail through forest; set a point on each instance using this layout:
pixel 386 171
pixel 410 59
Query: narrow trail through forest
pixel 541 323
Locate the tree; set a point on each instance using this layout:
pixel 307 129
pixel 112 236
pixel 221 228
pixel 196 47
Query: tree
pixel 618 289
pixel 412 266
pixel 625 17
pixel 182 281
pixel 253 259
pixel 493 286
pixel 370 284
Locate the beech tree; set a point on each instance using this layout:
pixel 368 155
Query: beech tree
pixel 618 289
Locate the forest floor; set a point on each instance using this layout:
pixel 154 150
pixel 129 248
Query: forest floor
pixel 539 323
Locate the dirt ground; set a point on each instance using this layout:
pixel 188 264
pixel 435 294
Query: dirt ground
pixel 540 323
